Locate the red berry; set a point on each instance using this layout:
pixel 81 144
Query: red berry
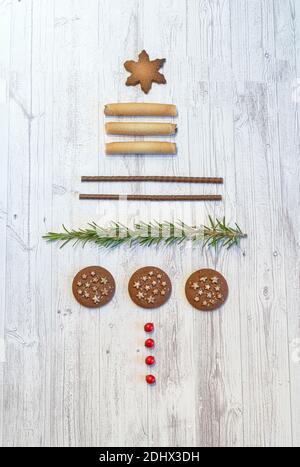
pixel 149 327
pixel 149 343
pixel 150 360
pixel 150 379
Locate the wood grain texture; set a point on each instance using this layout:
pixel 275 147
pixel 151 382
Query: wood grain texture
pixel 74 377
pixel 5 22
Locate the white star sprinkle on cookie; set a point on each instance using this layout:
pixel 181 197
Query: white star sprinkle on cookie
pixel 96 299
pixel 195 285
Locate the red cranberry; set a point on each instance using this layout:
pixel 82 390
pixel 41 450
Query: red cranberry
pixel 149 327
pixel 150 360
pixel 149 343
pixel 150 379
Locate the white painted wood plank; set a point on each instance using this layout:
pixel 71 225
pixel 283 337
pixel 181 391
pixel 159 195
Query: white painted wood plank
pixel 288 98
pixel 218 418
pixel 27 318
pixel 41 210
pixel 75 407
pixel 5 22
pixel 266 391
pixel 20 320
pixel 292 179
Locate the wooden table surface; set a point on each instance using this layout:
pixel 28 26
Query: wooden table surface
pixel 75 377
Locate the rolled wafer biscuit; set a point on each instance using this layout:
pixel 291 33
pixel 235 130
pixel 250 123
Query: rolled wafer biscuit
pixel 140 109
pixel 140 128
pixel 140 147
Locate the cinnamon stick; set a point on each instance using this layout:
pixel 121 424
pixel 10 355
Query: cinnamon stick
pixel 152 197
pixel 151 178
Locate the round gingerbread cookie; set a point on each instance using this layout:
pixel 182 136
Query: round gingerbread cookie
pixel 149 287
pixel 93 287
pixel 206 289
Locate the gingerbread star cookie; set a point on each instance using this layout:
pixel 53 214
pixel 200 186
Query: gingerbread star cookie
pixel 206 289
pixel 149 287
pixel 93 287
pixel 145 72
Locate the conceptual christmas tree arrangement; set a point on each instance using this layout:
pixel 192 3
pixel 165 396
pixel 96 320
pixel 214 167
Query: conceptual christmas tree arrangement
pixel 149 287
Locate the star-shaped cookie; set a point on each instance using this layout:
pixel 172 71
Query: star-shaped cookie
pixel 145 72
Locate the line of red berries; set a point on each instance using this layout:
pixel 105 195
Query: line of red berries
pixel 149 360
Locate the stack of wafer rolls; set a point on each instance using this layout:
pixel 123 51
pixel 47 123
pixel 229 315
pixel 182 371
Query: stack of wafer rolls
pixel 134 109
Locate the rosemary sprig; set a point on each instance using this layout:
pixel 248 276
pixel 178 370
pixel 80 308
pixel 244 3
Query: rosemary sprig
pixel 216 233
